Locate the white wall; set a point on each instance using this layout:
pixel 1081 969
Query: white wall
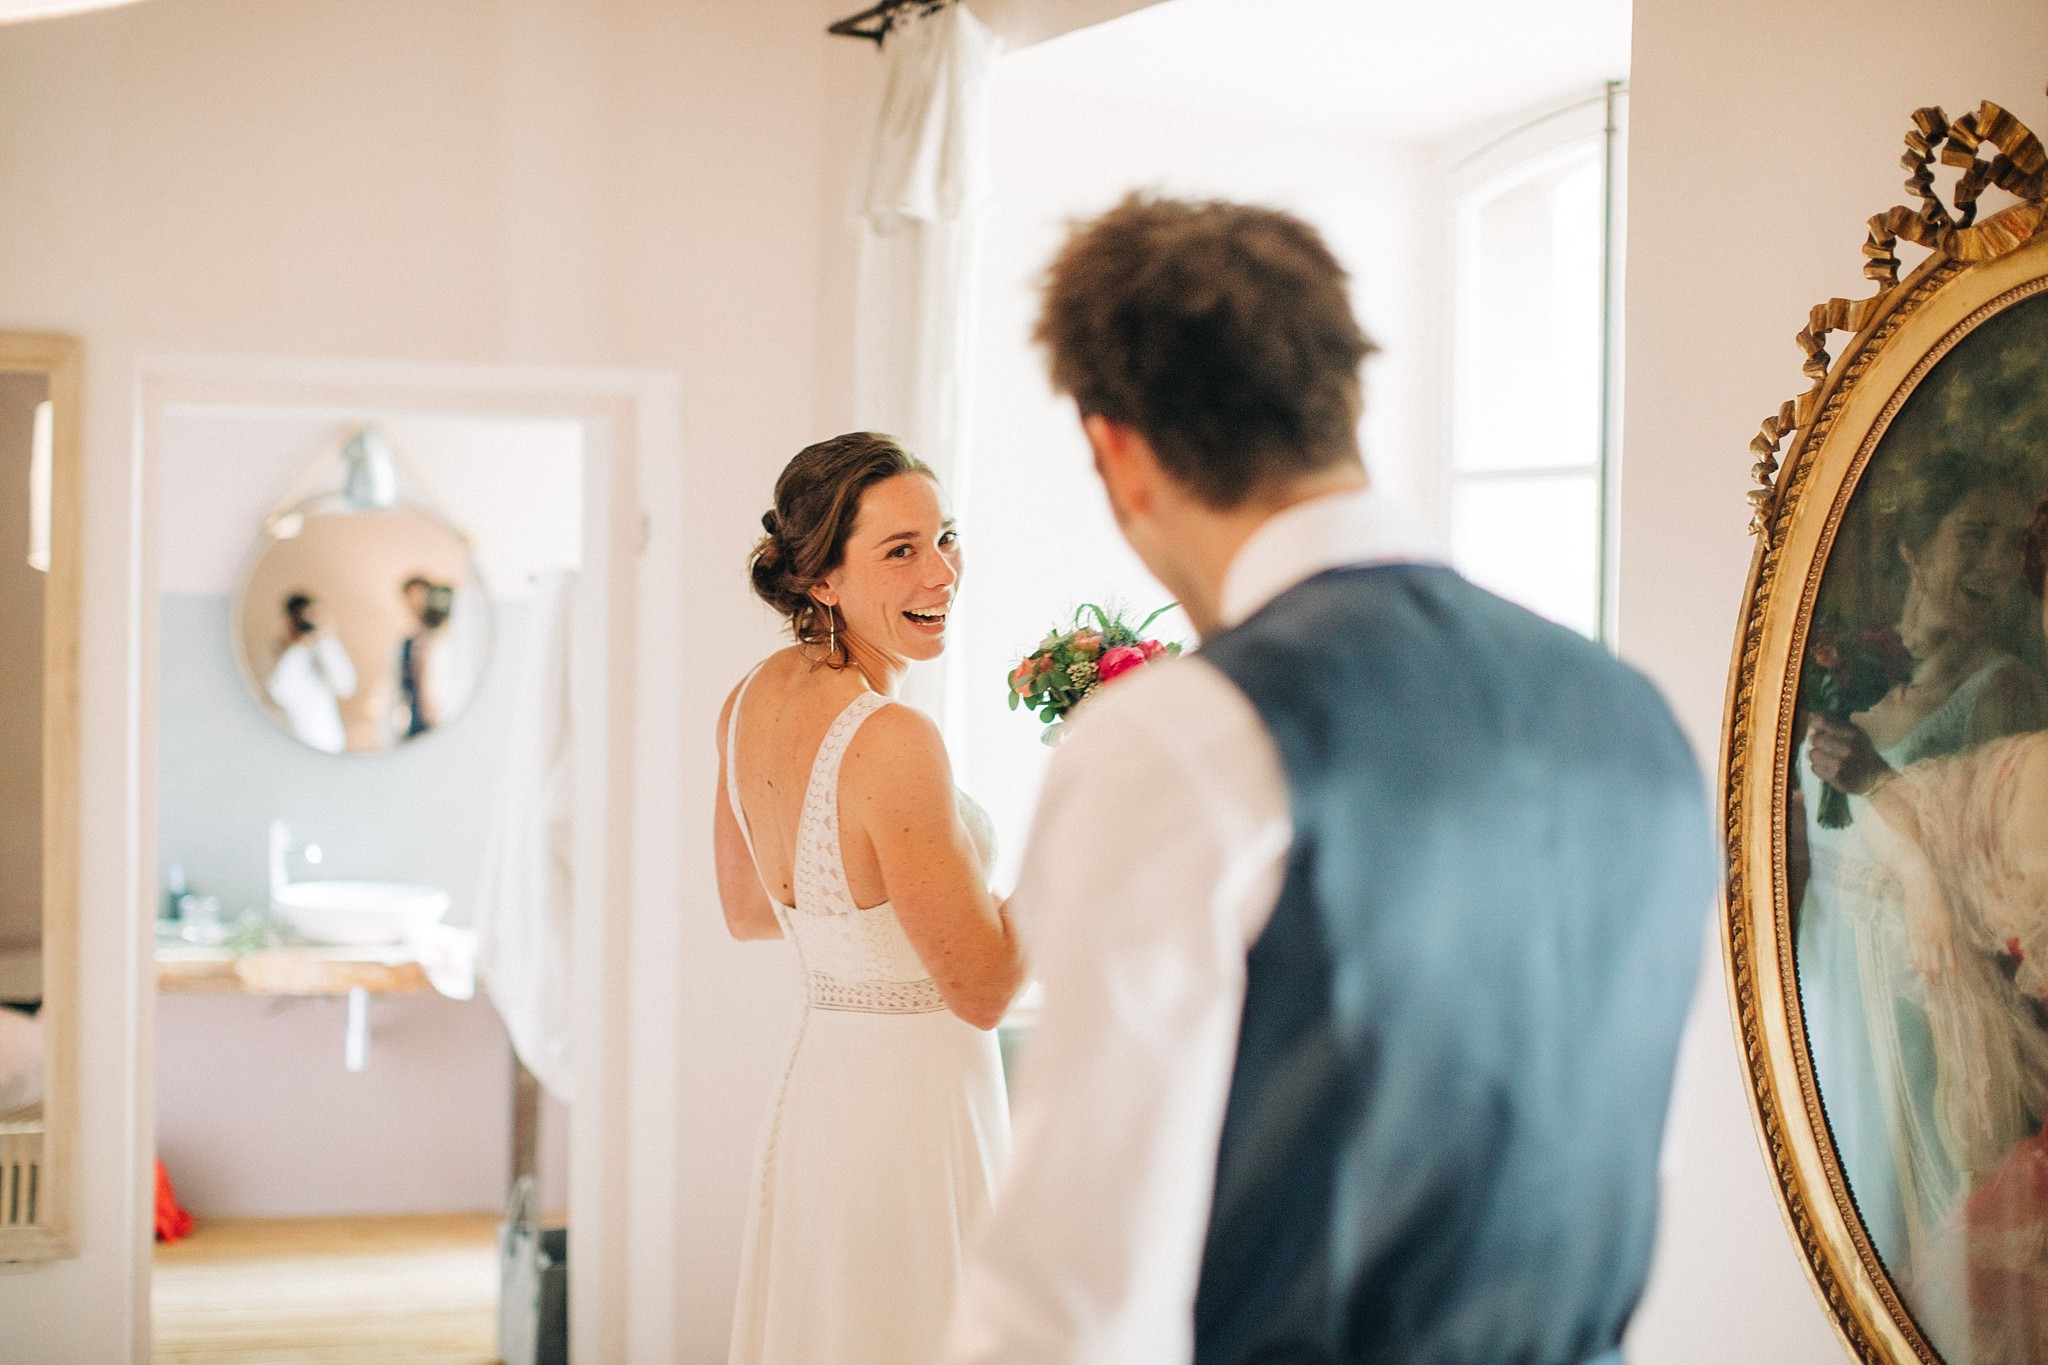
pixel 1763 134
pixel 513 485
pixel 648 184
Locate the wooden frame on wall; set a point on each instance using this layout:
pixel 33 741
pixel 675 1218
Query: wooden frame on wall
pixel 1849 440
pixel 53 1235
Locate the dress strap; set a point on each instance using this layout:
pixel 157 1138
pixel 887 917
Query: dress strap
pixel 838 739
pixel 818 845
pixel 732 768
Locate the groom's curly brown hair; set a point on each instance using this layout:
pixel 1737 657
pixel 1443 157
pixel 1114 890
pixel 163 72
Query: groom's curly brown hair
pixel 1223 332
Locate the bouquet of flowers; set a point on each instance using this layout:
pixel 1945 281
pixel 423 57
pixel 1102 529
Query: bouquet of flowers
pixel 1068 665
pixel 1848 670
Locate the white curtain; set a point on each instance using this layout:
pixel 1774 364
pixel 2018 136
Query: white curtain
pixel 922 180
pixel 524 899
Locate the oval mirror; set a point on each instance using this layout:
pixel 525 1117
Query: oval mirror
pixel 1886 772
pixel 360 627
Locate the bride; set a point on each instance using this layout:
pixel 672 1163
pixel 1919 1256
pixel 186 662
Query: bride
pixel 841 831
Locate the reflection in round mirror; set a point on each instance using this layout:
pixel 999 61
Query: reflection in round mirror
pixel 360 628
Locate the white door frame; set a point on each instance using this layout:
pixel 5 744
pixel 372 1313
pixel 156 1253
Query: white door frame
pixel 622 1182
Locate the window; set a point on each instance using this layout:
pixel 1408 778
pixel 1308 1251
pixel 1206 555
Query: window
pixel 1533 348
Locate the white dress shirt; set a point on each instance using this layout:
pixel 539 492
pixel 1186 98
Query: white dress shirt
pixel 307 682
pixel 1155 858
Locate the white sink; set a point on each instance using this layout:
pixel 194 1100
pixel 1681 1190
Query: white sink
pixel 354 913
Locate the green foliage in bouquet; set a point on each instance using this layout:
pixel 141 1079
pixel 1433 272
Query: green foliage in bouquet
pixel 1068 665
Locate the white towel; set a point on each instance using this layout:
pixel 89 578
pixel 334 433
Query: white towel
pixel 448 956
pixel 523 901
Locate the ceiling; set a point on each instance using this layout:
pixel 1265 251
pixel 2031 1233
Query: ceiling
pixel 12 11
pixel 1405 70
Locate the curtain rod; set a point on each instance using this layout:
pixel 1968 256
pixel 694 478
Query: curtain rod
pixel 876 21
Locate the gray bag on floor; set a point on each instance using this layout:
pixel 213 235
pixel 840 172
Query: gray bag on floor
pixel 533 1283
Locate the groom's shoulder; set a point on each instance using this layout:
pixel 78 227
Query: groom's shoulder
pixel 1184 707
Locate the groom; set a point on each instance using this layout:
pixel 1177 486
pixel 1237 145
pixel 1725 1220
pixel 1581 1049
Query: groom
pixel 1367 933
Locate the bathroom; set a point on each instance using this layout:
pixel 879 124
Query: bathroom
pixel 329 1070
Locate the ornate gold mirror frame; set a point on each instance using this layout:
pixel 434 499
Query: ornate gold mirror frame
pixel 1976 268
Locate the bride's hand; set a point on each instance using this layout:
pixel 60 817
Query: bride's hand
pixel 1843 756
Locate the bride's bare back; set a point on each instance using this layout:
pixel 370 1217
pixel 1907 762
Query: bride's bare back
pixel 789 705
pixel 901 838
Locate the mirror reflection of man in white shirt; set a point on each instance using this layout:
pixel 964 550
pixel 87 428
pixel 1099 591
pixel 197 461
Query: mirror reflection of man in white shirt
pixel 312 675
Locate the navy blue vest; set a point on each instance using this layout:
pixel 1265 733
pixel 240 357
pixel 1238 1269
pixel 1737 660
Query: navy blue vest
pixel 1461 1021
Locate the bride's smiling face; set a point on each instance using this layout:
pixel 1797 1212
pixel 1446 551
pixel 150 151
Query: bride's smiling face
pixel 894 587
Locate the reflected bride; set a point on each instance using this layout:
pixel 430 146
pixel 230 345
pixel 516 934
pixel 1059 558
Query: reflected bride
pixel 839 829
pixel 1956 534
pixel 1968 839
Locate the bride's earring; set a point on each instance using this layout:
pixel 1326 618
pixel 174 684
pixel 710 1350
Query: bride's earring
pixel 831 630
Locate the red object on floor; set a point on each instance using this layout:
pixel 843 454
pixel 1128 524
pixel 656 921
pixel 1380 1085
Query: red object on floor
pixel 172 1222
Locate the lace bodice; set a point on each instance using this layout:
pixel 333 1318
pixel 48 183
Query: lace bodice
pixel 852 958
pixel 1946 729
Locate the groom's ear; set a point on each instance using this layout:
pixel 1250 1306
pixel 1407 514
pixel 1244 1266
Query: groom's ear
pixel 1125 462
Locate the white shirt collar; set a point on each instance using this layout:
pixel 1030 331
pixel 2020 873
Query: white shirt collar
pixel 1335 531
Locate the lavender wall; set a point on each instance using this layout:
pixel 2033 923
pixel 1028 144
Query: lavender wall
pixel 257 1118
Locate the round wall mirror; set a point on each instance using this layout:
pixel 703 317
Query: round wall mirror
pixel 360 627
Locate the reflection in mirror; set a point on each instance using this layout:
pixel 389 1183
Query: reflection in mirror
pixel 1919 859
pixel 362 622
pixel 38 747
pixel 25 434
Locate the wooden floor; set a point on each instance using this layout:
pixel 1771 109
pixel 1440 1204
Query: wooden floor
pixel 329 1291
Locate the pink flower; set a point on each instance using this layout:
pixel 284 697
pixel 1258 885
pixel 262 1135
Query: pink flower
pixel 1152 648
pixel 1118 661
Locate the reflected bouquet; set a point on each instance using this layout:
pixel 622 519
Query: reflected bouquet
pixel 1848 670
pixel 1068 665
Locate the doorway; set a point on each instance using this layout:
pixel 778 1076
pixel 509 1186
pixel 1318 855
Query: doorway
pixel 360 615
pixel 622 427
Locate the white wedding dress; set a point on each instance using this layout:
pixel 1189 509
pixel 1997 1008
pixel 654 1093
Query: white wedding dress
pixel 886 1135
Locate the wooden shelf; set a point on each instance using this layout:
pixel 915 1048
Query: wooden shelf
pixel 301 971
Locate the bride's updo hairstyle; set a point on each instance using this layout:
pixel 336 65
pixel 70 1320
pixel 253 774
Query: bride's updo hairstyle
pixel 817 499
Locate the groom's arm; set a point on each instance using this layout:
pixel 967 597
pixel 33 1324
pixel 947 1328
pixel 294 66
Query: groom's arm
pixel 1155 856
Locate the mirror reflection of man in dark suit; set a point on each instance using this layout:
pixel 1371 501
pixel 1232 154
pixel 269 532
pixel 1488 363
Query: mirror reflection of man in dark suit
pixel 430 604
